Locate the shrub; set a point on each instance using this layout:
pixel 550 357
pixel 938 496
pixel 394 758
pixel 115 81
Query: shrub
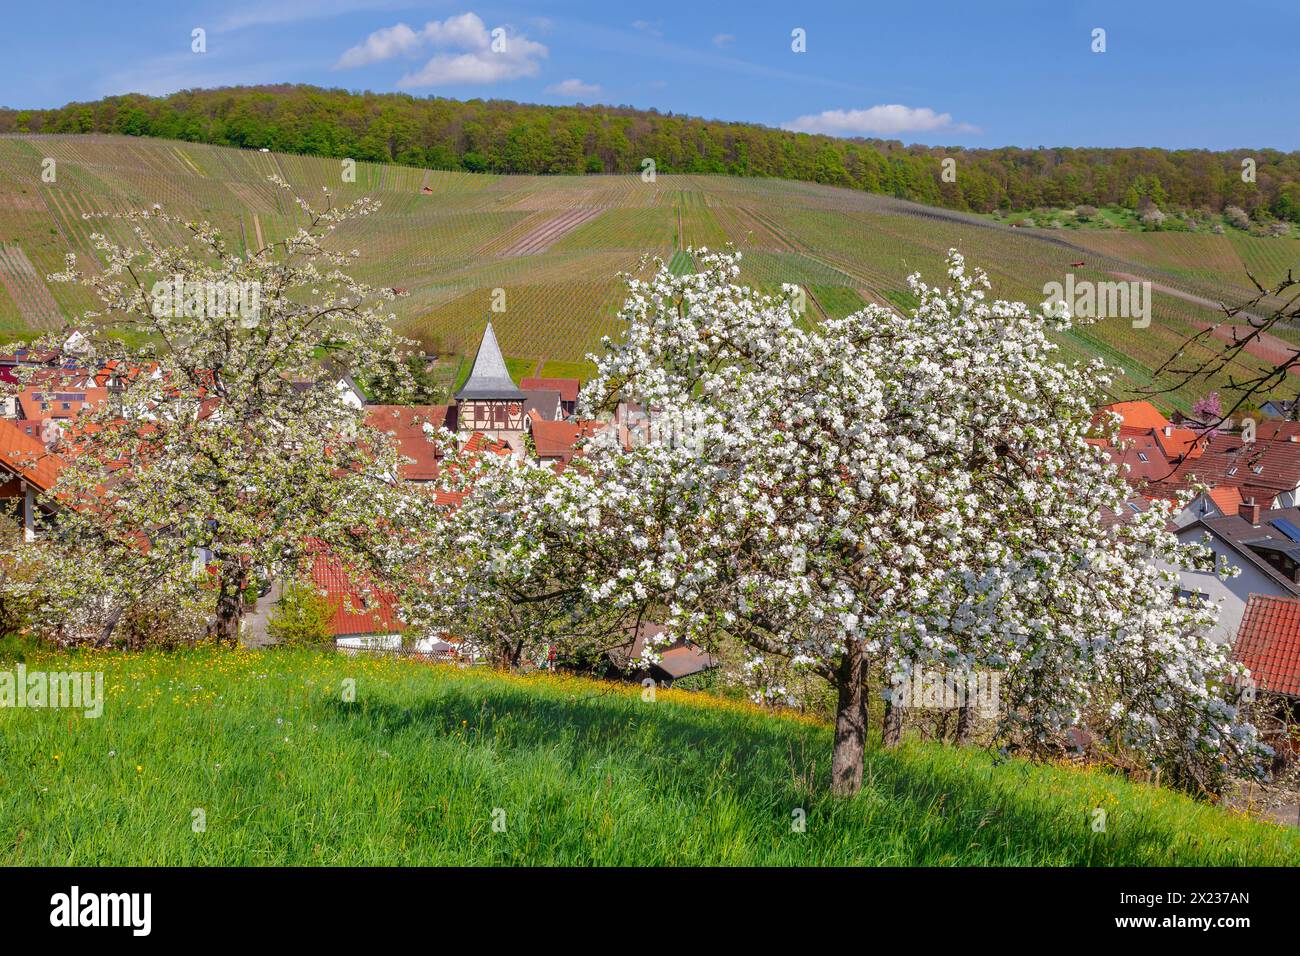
pixel 1085 213
pixel 168 623
pixel 16 646
pixel 1237 217
pixel 301 617
pixel 17 602
pixel 703 680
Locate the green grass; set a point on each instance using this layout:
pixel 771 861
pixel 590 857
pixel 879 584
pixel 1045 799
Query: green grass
pixel 412 771
pixel 520 368
pixel 578 370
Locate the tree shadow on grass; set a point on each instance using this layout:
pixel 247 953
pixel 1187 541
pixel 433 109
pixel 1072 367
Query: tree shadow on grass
pixel 923 804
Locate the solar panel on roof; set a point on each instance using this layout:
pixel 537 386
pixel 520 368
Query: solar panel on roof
pixel 1287 528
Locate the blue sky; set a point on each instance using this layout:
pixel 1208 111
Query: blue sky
pixel 990 73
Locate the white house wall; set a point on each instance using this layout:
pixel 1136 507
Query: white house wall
pixel 1231 593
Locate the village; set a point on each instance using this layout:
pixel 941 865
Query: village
pixel 1244 488
pixel 489 414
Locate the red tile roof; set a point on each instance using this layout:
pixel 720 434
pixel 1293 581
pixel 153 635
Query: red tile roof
pixel 1268 642
pixel 1227 500
pixel 27 457
pixel 557 439
pixel 1284 430
pixel 405 423
pixel 1262 469
pixel 357 609
pixel 58 378
pixel 567 387
pixel 58 402
pixel 116 370
pixel 1141 415
pixel 1139 457
pixel 1180 442
pixel 480 442
pixel 1134 506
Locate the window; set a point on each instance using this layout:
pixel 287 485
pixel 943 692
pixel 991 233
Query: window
pixel 1142 456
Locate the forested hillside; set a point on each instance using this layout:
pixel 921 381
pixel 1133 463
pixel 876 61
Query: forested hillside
pixel 506 137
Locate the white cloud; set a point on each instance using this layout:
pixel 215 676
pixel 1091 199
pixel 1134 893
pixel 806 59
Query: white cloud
pixel 575 87
pixel 474 54
pixel 645 26
pixel 889 120
pixel 724 40
pixel 381 45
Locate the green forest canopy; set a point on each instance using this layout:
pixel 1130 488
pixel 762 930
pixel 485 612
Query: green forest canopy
pixel 505 137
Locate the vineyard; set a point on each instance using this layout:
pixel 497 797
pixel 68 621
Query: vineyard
pixel 554 246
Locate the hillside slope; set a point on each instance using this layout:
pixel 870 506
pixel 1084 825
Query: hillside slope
pixel 502 136
pixel 555 243
pixel 263 748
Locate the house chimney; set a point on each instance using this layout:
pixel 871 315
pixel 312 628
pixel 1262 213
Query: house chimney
pixel 1169 431
pixel 1250 511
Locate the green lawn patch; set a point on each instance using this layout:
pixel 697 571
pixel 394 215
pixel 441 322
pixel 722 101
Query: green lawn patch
pixel 422 763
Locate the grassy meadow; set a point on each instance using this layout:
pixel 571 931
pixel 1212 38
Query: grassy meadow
pixel 439 765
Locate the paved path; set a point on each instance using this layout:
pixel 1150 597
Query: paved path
pixel 253 632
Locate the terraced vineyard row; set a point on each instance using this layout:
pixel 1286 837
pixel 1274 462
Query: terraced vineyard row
pixel 36 307
pixel 556 244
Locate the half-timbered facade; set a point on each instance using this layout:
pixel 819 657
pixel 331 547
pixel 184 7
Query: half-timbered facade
pixel 490 402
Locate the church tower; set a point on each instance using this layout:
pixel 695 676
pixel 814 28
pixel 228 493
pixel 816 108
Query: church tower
pixel 489 401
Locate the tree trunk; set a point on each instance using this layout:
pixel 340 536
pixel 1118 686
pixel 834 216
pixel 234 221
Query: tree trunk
pixel 892 732
pixel 224 627
pixel 850 723
pixel 965 723
pixel 110 625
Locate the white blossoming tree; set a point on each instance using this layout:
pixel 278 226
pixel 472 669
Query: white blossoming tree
pixel 877 493
pixel 514 585
pixel 221 460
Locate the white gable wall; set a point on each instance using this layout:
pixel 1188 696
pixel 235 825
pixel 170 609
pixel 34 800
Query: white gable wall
pixel 1231 593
